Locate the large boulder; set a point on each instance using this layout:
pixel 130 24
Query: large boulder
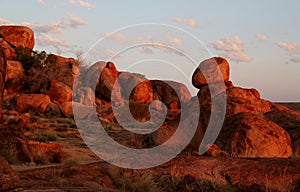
pixel 15 78
pixel 86 96
pixel 92 76
pixel 2 78
pixel 171 93
pixel 288 119
pixel 8 177
pixel 143 92
pixel 8 50
pixel 207 72
pixel 59 92
pixel 253 136
pixel 32 102
pixel 18 36
pixel 62 69
pixel 82 111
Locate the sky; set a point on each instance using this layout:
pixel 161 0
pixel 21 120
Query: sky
pixel 168 39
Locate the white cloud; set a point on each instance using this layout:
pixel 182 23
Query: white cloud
pixel 146 50
pixel 296 59
pixel 75 21
pixel 86 4
pixel 46 40
pixel 232 48
pixel 115 36
pixel 261 37
pixel 53 27
pixel 174 40
pixel 4 21
pixel 73 2
pixel 41 2
pixel 289 47
pixel 190 22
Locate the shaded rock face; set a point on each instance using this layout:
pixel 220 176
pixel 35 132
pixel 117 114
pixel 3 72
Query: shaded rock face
pixel 92 76
pixel 86 96
pixel 15 78
pixel 249 135
pixel 17 36
pixel 32 102
pixel 2 78
pixel 171 93
pixel 143 92
pixel 68 109
pixel 9 52
pixel 59 92
pixel 207 72
pixel 8 177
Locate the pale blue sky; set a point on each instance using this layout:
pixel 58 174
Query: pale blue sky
pixel 259 38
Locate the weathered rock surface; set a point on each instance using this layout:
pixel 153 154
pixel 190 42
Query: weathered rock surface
pixel 32 102
pixel 8 177
pixel 86 96
pixel 59 92
pixel 213 70
pixel 82 111
pixel 92 76
pixel 14 79
pixel 18 36
pixel 171 93
pixel 9 52
pixel 2 78
pixel 249 135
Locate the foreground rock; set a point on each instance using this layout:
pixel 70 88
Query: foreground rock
pixel 17 36
pixel 8 177
pixel 249 135
pixel 2 78
pixel 59 92
pixel 32 102
pixel 15 78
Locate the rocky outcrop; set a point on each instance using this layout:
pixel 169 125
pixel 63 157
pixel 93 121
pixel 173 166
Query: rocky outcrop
pixel 249 135
pixel 15 78
pixel 32 102
pixel 92 76
pixel 207 72
pixel 8 177
pixel 86 96
pixel 2 78
pixel 17 36
pixel 143 92
pixel 68 108
pixel 171 93
pixel 59 92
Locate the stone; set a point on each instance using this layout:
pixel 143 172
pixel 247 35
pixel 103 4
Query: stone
pixel 8 177
pixel 86 96
pixel 15 78
pixel 288 119
pixel 172 94
pixel 92 76
pixel 2 78
pixel 247 135
pixel 82 111
pixel 207 72
pixel 32 102
pixel 17 36
pixel 59 92
pixel 142 92
pixel 10 53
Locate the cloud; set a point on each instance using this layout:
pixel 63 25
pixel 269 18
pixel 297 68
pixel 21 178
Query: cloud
pixel 115 36
pixel 4 21
pixel 42 2
pixel 289 47
pixel 86 4
pixel 232 48
pixel 73 2
pixel 75 21
pixel 146 50
pixel 261 37
pixel 296 60
pixel 174 40
pixel 56 27
pixel 189 22
pixel 46 40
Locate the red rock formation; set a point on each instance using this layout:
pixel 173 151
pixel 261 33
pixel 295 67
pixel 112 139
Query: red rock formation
pixel 32 102
pixel 2 78
pixel 18 36
pixel 59 92
pixel 8 177
pixel 15 78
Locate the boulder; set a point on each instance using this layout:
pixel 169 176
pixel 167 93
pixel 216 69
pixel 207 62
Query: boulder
pixel 17 36
pixel 2 78
pixel 253 136
pixel 15 78
pixel 53 110
pixel 288 119
pixel 143 92
pixel 92 76
pixel 8 177
pixel 86 96
pixel 171 93
pixel 82 111
pixel 59 92
pixel 207 72
pixel 8 50
pixel 32 102
pixel 61 69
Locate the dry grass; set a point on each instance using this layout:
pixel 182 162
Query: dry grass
pixel 10 153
